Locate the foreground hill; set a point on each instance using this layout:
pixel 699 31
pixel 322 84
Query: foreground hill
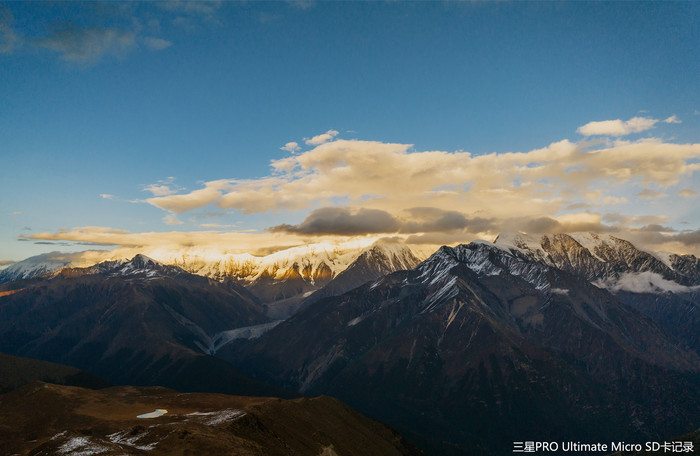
pixel 42 418
pixel 481 341
pixel 133 322
pixel 16 371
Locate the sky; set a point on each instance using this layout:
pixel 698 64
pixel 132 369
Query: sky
pixel 255 126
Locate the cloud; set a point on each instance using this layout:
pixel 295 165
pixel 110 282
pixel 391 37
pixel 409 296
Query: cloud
pixel 156 44
pixel 643 282
pixel 672 119
pixel 634 219
pixel 163 187
pixel 291 147
pixel 171 219
pixel 432 219
pixel 618 127
pixel 387 176
pixel 345 188
pixel 158 190
pixel 16 213
pixel 89 44
pixel 9 40
pixel 656 228
pixel 218 225
pixel 650 194
pixel 343 221
pixel 215 241
pixel 690 238
pixel 301 4
pixel 322 138
pixel 191 7
pixel 353 221
pixel 107 196
pixel 687 193
pixel 189 201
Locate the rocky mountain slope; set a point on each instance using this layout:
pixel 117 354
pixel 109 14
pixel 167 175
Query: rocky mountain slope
pixel 17 371
pixel 281 280
pixel 481 340
pixel 610 262
pixel 136 322
pixel 664 286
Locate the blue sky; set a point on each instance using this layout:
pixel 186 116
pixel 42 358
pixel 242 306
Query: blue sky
pixel 103 101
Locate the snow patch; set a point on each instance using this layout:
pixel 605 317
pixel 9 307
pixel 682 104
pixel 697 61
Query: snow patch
pixel 154 414
pixel 356 320
pixel 559 291
pixel 125 438
pixel 246 332
pixel 81 446
pixel 217 417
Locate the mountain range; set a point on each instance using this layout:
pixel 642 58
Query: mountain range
pixel 135 322
pixel 481 340
pixel 532 337
pixel 281 280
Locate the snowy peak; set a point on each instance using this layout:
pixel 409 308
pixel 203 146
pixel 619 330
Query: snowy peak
pixel 607 261
pixel 386 257
pixel 485 259
pixel 375 261
pixel 35 266
pixel 139 267
pixel 143 267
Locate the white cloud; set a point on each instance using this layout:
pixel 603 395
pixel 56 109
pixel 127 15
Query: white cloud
pixel 387 176
pixel 191 7
pixel 354 187
pixel 643 282
pixel 618 127
pixel 650 194
pixel 193 200
pixel 156 44
pixel 89 44
pixel 291 147
pixel 171 219
pixel 9 40
pixel 672 119
pixel 322 138
pixel 107 196
pixel 163 187
pixel 159 190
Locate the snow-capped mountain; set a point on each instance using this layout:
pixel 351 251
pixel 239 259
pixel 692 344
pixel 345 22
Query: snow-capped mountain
pixel 281 280
pixel 139 267
pixel 35 266
pixel 607 261
pixel 135 321
pixel 314 264
pixel 378 260
pixel 472 340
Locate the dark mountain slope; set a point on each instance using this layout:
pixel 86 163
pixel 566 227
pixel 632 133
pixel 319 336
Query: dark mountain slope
pixel 478 341
pixel 136 322
pixel 16 371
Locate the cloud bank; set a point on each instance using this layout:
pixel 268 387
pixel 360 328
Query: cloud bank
pixel 344 188
pixel 618 127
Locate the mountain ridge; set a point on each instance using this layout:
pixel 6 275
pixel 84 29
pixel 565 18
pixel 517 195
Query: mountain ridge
pixel 481 330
